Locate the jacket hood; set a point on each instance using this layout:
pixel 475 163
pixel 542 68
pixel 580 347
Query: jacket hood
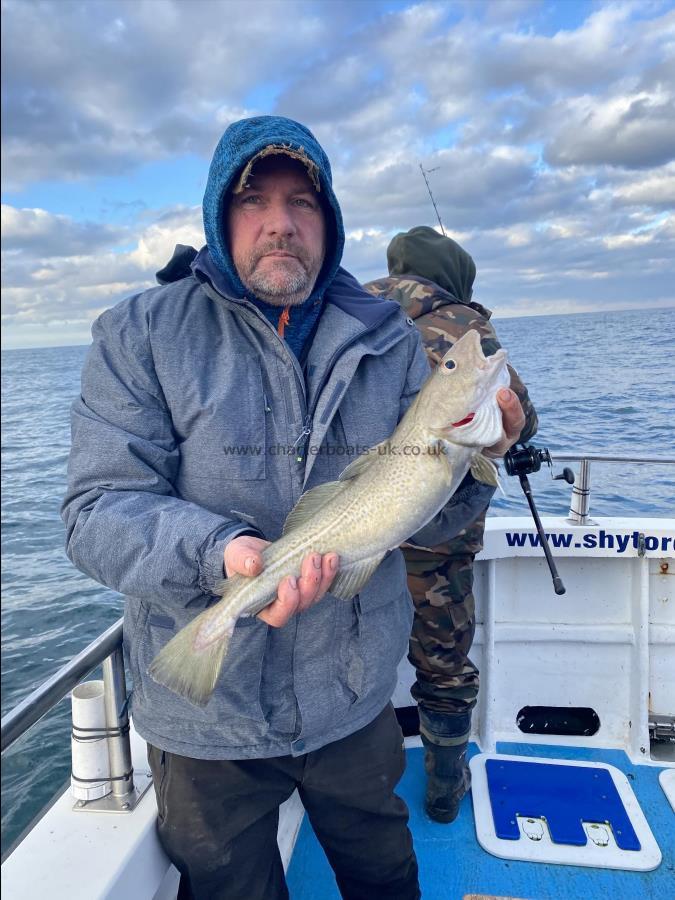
pixel 424 252
pixel 242 144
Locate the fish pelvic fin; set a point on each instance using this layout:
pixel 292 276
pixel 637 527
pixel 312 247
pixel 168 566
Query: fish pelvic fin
pixel 187 666
pixel 228 586
pixel 351 579
pixel 484 470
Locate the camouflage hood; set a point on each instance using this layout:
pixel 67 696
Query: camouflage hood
pixel 428 270
pixel 423 251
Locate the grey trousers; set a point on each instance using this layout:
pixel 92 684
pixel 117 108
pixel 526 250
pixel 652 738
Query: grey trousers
pixel 218 818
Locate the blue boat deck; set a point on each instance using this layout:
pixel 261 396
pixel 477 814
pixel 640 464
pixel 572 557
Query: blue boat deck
pixel 452 864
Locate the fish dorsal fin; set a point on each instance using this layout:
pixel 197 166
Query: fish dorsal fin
pixel 310 503
pixel 484 470
pixel 361 463
pixel 351 579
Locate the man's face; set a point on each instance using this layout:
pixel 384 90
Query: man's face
pixel 277 232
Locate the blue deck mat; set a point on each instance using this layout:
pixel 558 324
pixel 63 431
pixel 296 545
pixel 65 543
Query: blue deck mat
pixel 453 864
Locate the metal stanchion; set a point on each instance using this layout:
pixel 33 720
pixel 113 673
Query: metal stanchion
pixel 117 722
pixel 581 494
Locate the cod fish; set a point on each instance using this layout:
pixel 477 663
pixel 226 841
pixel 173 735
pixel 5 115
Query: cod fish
pixel 380 500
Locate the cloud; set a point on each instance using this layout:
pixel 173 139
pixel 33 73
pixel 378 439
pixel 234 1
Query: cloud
pixel 634 130
pixel 563 266
pixel 484 187
pixel 653 189
pixel 103 88
pixel 43 288
pixel 52 235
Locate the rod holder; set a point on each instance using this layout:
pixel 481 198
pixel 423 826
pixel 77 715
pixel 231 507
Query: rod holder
pixel 123 795
pixel 90 773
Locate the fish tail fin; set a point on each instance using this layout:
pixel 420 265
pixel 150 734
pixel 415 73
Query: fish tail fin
pixel 188 669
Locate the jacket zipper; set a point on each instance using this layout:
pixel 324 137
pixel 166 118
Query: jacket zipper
pixel 303 437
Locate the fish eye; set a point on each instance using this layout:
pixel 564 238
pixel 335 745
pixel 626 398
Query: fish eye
pixel 450 364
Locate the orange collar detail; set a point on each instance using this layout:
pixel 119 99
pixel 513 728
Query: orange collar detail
pixel 283 320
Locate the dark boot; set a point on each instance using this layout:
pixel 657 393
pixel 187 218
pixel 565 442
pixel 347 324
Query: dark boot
pixel 446 738
pixel 448 779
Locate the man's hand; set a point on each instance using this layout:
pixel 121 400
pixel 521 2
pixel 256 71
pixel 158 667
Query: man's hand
pixel 513 422
pixel 243 556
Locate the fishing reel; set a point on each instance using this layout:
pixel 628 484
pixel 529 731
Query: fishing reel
pixel 522 461
pixel 527 459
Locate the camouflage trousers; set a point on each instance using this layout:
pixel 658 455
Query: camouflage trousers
pixel 441 584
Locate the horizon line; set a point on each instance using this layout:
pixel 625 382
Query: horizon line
pixel 495 316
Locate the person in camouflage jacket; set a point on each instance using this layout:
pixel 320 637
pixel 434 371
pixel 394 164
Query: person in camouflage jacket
pixel 432 277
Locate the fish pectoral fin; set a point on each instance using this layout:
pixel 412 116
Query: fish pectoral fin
pixel 441 434
pixel 310 503
pixel 437 445
pixel 361 463
pixel 484 470
pixel 350 579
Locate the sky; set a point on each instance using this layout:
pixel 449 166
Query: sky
pixel 547 131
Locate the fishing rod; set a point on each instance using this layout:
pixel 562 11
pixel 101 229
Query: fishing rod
pixel 522 461
pixel 438 215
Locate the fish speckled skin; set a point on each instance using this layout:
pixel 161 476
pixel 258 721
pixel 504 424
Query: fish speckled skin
pixel 381 499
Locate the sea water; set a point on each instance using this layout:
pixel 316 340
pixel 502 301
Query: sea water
pixel 602 383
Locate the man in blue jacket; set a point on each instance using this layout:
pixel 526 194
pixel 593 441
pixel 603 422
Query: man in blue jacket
pixel 208 406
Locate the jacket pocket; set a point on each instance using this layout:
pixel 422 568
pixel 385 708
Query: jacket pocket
pixel 237 692
pixel 226 439
pixel 376 639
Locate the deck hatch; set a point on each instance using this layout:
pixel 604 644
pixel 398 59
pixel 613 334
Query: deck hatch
pixel 560 811
pixel 564 796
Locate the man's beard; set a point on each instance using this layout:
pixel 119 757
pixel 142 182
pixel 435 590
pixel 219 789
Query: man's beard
pixel 290 284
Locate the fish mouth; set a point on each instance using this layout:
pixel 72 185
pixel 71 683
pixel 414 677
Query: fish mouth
pixel 476 355
pixel 496 368
pixel 469 349
pixel 481 425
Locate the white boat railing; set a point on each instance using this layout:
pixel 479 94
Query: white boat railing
pixel 105 650
pixel 37 704
pixel 581 490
